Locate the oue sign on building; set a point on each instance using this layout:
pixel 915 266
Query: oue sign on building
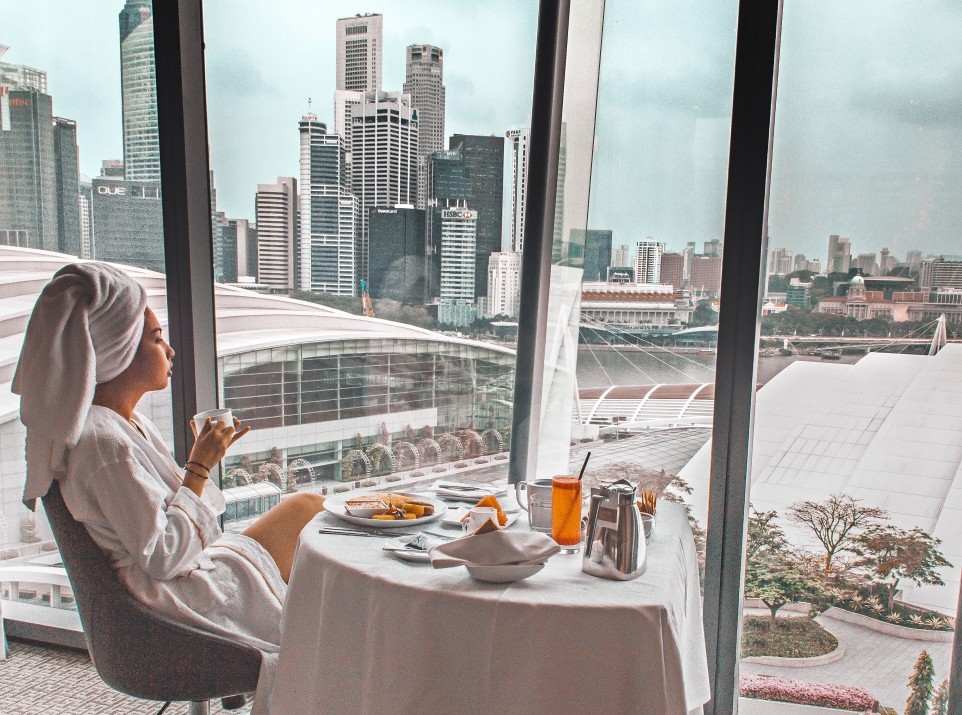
pixel 112 190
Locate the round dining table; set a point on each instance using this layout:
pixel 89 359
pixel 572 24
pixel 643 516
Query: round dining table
pixel 367 633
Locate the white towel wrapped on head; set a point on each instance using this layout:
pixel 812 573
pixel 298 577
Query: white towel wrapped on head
pixel 84 330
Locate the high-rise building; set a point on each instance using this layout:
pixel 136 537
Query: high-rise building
pixel 815 265
pixel 913 259
pixel 865 262
pixel 595 246
pixel 706 274
pixel 85 198
pixel 798 294
pixel 504 284
pixel 458 235
pixel 799 262
pixel 28 181
pixel 384 139
pixel 127 220
pixel 713 247
pixel 648 261
pixel 401 268
pixel 620 256
pixel 942 272
pixel 839 257
pixel 39 167
pixel 328 213
pixel 424 81
pixel 483 159
pixel 138 88
pixel 244 250
pixel 672 270
pixel 519 176
pixel 780 262
pixel 886 262
pixel 276 215
pixel 360 46
pixel 519 179
pixel 67 158
pixel 688 253
pixel 449 187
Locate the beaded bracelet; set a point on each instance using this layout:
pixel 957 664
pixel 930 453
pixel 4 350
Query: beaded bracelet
pixel 196 474
pixel 202 466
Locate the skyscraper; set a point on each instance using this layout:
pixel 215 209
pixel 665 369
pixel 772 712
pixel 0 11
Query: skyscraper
pixel 596 249
pixel 839 254
pixel 67 158
pixel 360 43
pixel 276 210
pixel 672 269
pixel 384 138
pixel 504 284
pixel 458 235
pixel 139 92
pixel 648 261
pixel 400 267
pixel 519 176
pixel 424 81
pixel 245 248
pixel 780 262
pixel 706 274
pixel 127 220
pixel 328 212
pixel 483 158
pixel 39 170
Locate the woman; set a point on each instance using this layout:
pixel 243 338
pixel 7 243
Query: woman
pixel 92 349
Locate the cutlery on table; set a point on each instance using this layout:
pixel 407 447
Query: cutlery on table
pixel 353 532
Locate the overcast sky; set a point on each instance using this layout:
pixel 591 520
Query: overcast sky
pixel 868 132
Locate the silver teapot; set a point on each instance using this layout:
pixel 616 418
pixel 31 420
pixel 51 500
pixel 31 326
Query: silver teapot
pixel 615 537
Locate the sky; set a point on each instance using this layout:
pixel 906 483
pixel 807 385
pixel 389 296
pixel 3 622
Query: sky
pixel 868 127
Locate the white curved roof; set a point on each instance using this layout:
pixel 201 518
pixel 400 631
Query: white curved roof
pixel 886 430
pixel 245 320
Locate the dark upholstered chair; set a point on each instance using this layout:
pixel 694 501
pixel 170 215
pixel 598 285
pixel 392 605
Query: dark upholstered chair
pixel 138 651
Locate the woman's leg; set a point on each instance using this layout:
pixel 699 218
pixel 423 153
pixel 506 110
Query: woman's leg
pixel 278 529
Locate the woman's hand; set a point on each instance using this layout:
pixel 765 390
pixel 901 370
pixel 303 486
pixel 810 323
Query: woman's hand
pixel 212 442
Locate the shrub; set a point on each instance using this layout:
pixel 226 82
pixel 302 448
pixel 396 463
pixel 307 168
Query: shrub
pixel 392 478
pixel 460 465
pixel 800 692
pixel 341 488
pixel 418 473
pixel 440 469
pixel 500 456
pixel 369 483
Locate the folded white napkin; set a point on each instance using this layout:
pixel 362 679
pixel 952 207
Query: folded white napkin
pixel 467 492
pixel 497 548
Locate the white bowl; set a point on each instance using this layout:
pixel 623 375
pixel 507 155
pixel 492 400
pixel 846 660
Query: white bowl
pixel 505 573
pixel 366 512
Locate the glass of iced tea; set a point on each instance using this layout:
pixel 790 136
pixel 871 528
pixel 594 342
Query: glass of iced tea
pixel 566 512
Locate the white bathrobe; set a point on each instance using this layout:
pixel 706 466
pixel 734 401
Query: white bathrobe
pixel 165 541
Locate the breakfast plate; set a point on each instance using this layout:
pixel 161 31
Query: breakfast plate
pixel 453 516
pixel 336 506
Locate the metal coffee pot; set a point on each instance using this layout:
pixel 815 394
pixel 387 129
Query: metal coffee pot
pixel 615 538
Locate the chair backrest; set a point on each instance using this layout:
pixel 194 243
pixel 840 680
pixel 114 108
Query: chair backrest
pixel 136 650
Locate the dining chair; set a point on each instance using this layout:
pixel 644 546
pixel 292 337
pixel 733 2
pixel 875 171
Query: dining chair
pixel 136 650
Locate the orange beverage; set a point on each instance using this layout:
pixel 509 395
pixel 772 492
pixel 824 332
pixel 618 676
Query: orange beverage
pixel 566 512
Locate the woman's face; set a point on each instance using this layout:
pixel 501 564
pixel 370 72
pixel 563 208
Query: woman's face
pixel 153 362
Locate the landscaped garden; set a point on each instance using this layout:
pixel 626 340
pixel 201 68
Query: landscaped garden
pixel 788 638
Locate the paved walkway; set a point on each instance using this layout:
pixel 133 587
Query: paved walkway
pixel 878 662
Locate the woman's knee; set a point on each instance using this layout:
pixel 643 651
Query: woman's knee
pixel 305 504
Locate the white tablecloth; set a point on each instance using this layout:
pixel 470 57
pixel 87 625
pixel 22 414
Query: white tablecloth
pixel 367 633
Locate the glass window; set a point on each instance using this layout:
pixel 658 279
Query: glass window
pixel 377 196
pixel 853 537
pixel 79 178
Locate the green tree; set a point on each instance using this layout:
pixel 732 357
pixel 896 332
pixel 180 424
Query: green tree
pixel 940 703
pixel 703 314
pixel 779 577
pixel 835 522
pixel 920 682
pixel 892 554
pixel 763 534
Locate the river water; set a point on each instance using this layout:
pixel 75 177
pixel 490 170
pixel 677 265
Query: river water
pixel 630 366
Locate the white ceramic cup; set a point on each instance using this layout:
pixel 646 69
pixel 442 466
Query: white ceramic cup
pixel 222 415
pixel 477 516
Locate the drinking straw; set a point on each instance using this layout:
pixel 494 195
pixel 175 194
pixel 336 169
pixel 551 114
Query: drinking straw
pixel 582 472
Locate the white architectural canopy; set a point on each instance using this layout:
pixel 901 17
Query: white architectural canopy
pixel 886 430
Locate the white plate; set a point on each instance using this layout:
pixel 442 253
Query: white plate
pixel 335 506
pixel 504 574
pixel 453 517
pixel 397 548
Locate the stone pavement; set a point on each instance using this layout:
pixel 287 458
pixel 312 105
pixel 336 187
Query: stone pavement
pixel 878 662
pixel 41 680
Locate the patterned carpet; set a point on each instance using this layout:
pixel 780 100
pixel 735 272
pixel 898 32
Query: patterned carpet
pixel 44 680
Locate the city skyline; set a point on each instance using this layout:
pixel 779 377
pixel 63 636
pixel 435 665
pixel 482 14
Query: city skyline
pixel 883 174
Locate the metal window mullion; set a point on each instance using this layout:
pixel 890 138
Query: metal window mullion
pixel 756 63
pixel 544 142
pixel 185 185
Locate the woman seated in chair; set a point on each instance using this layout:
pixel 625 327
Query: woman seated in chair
pixel 92 349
